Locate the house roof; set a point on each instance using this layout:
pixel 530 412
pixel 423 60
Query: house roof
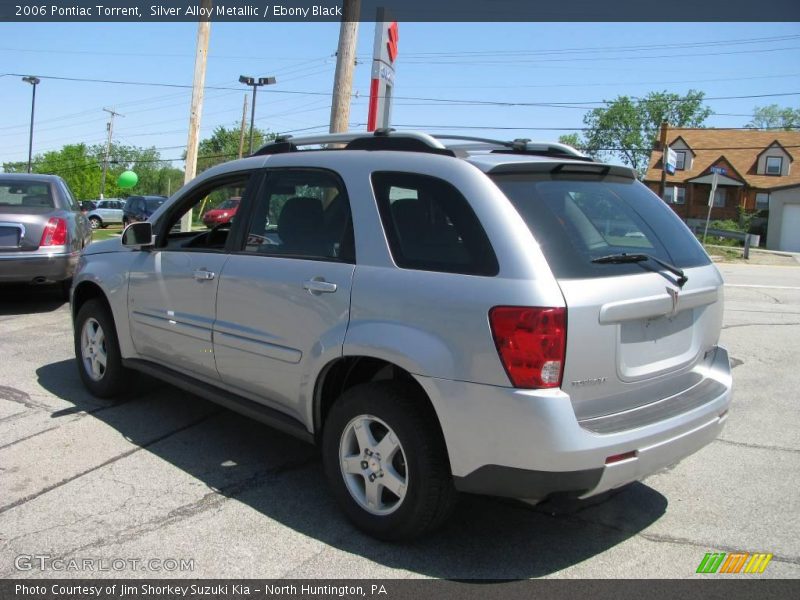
pixel 740 148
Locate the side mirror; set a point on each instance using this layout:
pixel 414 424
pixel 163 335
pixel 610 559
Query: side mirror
pixel 138 235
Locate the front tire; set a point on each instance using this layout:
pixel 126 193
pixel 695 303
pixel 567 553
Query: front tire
pixel 386 461
pixel 97 350
pixel 96 222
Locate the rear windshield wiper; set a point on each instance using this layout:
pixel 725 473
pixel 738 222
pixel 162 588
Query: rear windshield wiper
pixel 624 257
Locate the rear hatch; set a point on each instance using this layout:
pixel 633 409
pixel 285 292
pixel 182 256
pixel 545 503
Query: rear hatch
pixel 643 298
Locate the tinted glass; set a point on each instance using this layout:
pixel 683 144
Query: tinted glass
pixel 154 203
pixel 304 214
pixel 430 226
pixel 22 196
pixel 578 218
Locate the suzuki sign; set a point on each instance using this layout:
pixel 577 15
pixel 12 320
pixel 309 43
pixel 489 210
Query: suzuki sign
pixel 384 55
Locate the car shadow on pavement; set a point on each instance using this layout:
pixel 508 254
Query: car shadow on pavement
pixel 282 478
pixel 28 299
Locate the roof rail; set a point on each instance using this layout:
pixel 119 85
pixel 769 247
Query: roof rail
pixel 414 141
pixel 377 140
pixel 521 145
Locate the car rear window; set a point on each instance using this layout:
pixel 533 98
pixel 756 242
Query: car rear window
pixel 154 203
pixel 576 218
pixel 34 196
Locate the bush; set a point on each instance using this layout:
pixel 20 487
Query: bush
pixel 726 225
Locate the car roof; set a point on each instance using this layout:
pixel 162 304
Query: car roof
pixel 33 177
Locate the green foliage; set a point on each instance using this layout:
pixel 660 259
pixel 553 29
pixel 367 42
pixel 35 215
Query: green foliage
pixel 628 128
pixel 81 166
pixel 223 145
pixel 774 116
pixel 574 140
pixel 726 225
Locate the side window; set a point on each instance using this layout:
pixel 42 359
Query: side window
pixel 186 223
pixel 302 214
pixel 430 226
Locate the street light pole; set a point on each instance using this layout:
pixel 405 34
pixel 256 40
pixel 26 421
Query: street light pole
pixel 34 81
pixel 255 84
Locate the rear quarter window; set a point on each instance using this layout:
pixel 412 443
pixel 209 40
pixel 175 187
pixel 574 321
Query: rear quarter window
pixel 430 226
pixel 577 218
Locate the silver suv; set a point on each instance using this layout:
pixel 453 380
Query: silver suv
pixel 503 318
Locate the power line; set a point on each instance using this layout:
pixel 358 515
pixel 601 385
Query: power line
pixel 517 61
pixel 585 49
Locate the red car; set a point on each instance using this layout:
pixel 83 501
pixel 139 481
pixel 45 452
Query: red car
pixel 222 214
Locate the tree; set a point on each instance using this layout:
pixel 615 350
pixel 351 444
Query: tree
pixel 574 140
pixel 775 117
pixel 223 145
pixel 75 163
pixel 628 128
pixel 81 166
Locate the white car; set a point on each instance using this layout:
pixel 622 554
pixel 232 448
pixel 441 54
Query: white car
pixel 108 212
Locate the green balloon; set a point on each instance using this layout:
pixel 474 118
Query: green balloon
pixel 127 179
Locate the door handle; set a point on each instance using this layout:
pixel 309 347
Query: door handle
pixel 204 275
pixel 318 286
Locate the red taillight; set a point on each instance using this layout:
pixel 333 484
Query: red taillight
pixel 55 232
pixel 531 344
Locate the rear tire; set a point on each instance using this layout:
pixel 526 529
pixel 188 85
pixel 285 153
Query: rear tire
pixel 97 351
pixel 403 493
pixel 96 222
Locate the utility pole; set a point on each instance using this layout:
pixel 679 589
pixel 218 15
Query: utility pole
pixel 198 87
pixel 244 125
pixel 110 128
pixel 345 66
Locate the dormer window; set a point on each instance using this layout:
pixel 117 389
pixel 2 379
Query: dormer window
pixel 680 161
pixel 774 165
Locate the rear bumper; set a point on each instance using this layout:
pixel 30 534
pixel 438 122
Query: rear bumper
pixel 529 444
pixel 37 268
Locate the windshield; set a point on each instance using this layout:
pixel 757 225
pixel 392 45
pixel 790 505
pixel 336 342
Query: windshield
pixel 154 203
pixel 578 218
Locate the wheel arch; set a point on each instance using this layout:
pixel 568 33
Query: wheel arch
pixel 345 372
pixel 85 291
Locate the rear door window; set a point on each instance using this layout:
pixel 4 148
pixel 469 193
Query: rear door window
pixel 577 218
pixel 430 226
pixel 302 213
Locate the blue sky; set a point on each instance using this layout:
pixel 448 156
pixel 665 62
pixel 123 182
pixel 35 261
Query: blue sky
pixel 468 62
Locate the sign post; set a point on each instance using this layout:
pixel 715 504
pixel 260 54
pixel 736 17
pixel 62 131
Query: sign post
pixel 714 180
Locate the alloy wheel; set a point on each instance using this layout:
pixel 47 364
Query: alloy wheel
pixel 373 465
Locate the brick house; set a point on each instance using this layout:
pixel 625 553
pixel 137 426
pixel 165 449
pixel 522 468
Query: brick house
pixel 758 175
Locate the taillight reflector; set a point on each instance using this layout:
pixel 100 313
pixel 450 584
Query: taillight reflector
pixel 531 342
pixel 620 457
pixel 55 232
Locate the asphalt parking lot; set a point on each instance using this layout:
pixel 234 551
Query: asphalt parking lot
pixel 161 474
